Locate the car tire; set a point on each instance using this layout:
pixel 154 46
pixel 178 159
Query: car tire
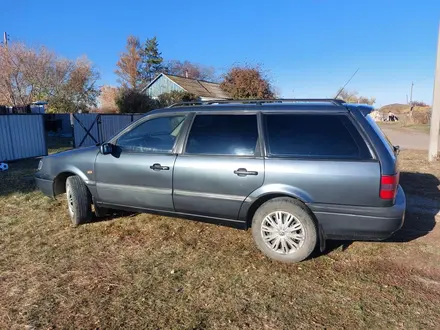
pixel 284 229
pixel 79 200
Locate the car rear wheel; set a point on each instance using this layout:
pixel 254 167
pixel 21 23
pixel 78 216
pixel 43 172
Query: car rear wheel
pixel 284 230
pixel 79 200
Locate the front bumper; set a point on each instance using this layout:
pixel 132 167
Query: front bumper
pixel 359 222
pixel 45 186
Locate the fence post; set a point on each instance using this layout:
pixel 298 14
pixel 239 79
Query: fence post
pixel 435 112
pixel 72 124
pixel 99 129
pixel 43 124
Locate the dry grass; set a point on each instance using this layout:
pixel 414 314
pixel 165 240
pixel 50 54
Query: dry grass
pixel 419 119
pixel 155 272
pixel 405 126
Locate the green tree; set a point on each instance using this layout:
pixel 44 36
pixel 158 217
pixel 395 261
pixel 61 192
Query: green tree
pixel 167 99
pixel 247 83
pixel 133 101
pixel 151 60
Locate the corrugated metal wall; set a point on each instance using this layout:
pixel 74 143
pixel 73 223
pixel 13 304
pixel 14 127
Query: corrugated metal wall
pixel 162 85
pixel 137 117
pixel 22 136
pixel 103 127
pixel 113 124
pixel 6 150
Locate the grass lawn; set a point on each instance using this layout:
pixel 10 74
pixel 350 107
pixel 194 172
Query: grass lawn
pixel 151 272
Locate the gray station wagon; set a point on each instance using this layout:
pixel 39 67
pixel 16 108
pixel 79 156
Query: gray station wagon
pixel 297 172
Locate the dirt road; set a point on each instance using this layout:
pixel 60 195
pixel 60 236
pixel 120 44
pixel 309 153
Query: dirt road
pixel 407 139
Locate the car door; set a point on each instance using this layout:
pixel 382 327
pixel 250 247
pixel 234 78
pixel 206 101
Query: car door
pixel 139 171
pixel 220 165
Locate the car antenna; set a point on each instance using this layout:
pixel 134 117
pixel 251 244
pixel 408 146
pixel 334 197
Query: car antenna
pixel 340 91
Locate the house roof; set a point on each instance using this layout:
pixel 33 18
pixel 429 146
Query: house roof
pixel 200 88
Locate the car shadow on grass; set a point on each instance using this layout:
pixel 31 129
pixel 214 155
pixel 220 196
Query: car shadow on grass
pixel 19 178
pixel 423 204
pixel 112 215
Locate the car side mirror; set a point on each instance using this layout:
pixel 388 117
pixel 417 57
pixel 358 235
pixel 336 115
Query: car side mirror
pixel 106 148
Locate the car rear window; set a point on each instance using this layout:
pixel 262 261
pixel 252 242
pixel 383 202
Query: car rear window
pixel 314 136
pixel 381 134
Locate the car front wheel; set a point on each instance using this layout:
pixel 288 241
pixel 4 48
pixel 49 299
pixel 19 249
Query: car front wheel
pixel 79 201
pixel 284 230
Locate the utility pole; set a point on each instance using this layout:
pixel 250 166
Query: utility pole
pixel 5 38
pixel 435 114
pixel 410 97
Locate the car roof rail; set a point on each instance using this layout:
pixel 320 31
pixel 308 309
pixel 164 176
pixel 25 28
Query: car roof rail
pixel 337 102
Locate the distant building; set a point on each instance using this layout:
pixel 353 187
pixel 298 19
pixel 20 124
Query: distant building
pixel 165 83
pixel 34 107
pixel 38 107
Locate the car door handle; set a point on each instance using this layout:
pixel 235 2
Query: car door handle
pixel 244 172
pixel 158 167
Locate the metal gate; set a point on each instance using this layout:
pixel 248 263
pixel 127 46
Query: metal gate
pixel 91 128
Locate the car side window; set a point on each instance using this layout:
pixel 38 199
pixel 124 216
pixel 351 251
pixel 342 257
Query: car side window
pixel 314 136
pixel 223 135
pixel 157 135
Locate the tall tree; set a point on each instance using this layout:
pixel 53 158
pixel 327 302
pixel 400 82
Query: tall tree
pixel 247 83
pixel 130 64
pixel 151 60
pixel 191 70
pixel 30 74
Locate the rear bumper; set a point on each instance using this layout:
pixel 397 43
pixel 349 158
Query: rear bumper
pixel 46 186
pixel 360 222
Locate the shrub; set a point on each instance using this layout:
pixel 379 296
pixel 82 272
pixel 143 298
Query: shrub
pixel 167 99
pixel 133 101
pixel 247 83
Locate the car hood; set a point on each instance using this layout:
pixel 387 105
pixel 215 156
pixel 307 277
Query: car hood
pixel 87 151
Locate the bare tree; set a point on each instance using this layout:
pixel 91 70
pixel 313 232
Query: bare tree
pixel 107 99
pixel 77 90
pixel 19 75
pixel 130 64
pixel 190 70
pixel 29 74
pixel 354 97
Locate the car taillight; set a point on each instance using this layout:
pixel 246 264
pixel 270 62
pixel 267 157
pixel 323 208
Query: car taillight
pixel 388 186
